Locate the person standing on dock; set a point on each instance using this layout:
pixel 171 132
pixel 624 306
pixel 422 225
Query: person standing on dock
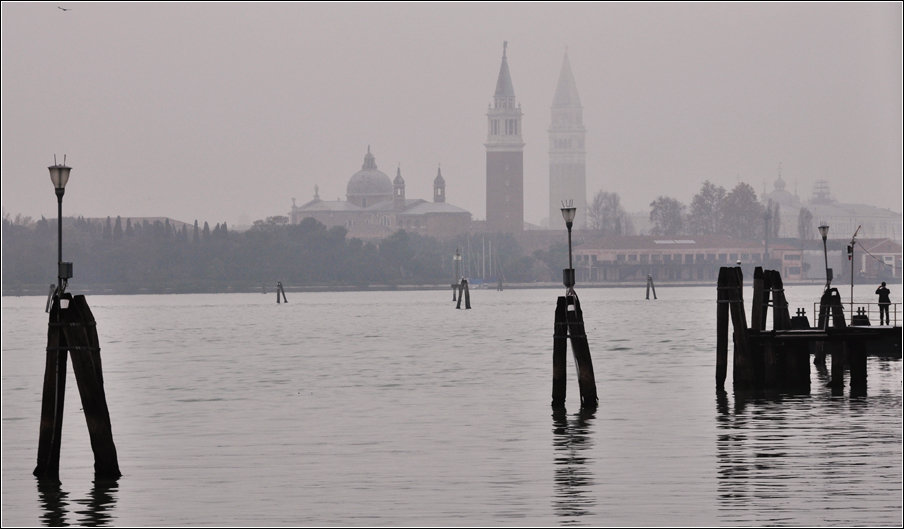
pixel 884 302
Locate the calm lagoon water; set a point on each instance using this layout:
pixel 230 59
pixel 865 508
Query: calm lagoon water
pixel 393 408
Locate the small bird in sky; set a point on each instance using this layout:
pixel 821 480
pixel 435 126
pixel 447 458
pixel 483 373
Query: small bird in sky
pixel 63 8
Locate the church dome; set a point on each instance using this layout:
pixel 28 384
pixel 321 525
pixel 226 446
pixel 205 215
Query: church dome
pixel 369 185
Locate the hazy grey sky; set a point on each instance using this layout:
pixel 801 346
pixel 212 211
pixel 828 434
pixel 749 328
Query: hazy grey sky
pixel 224 112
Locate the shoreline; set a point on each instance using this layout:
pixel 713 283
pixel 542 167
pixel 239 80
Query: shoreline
pixel 94 290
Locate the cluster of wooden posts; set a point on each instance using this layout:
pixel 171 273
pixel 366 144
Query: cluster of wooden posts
pixel 779 358
pixel 73 331
pixel 463 292
pixel 570 324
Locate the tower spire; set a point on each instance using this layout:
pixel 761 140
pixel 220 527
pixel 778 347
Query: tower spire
pixel 505 161
pixel 567 159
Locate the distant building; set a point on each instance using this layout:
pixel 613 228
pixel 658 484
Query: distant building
pixel 505 157
pixel 376 207
pixel 843 219
pixel 567 157
pixel 613 259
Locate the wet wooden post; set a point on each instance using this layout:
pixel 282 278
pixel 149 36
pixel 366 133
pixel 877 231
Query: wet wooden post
pixel 794 361
pixel 54 396
pixel 581 351
pixel 838 350
pixel 745 370
pixel 770 352
pixel 856 359
pixel 467 296
pixel 650 286
pixel 721 328
pixel 758 308
pixel 73 330
pixel 559 349
pixel 280 292
pixel 84 348
pixel 464 292
pixel 456 273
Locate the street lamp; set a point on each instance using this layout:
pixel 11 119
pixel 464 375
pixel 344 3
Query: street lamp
pixel 59 175
pixel 824 233
pixel 457 259
pixel 568 212
pixel 850 251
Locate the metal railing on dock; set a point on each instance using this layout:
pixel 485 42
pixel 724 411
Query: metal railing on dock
pixel 867 313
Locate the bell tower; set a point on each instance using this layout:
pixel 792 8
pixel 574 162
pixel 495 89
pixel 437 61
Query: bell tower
pixel 567 157
pixel 505 157
pixel 439 187
pixel 398 190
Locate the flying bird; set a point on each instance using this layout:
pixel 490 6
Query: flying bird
pixel 63 8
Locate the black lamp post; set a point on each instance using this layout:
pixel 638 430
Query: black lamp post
pixel 824 233
pixel 568 213
pixel 850 251
pixel 59 175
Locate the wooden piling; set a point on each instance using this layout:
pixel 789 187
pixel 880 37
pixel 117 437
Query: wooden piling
pixel 856 359
pixel 559 349
pixel 581 351
pixel 650 286
pixel 721 329
pixel 745 369
pixel 758 307
pixel 781 316
pixel 464 293
pixel 84 348
pixel 838 350
pixel 570 324
pixel 467 296
pixel 53 398
pixel 74 330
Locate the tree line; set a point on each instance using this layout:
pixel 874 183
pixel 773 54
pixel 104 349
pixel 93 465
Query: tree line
pixel 712 211
pixel 126 257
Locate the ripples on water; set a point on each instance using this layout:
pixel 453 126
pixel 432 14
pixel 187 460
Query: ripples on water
pixel 393 408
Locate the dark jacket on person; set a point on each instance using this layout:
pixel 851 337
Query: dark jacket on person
pixel 883 295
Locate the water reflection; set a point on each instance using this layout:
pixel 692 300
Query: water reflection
pixel 53 503
pixel 753 451
pixel 573 476
pixel 93 511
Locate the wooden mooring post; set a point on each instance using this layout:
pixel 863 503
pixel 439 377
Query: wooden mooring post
pixel 570 324
pixel 650 286
pixel 280 291
pixel 73 330
pixel 758 363
pixel 464 291
pixel 778 358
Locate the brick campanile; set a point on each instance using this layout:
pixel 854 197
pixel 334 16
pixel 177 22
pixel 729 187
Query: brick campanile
pixel 505 157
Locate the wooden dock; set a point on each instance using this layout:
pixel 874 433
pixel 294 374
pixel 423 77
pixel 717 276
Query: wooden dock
pixel 779 358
